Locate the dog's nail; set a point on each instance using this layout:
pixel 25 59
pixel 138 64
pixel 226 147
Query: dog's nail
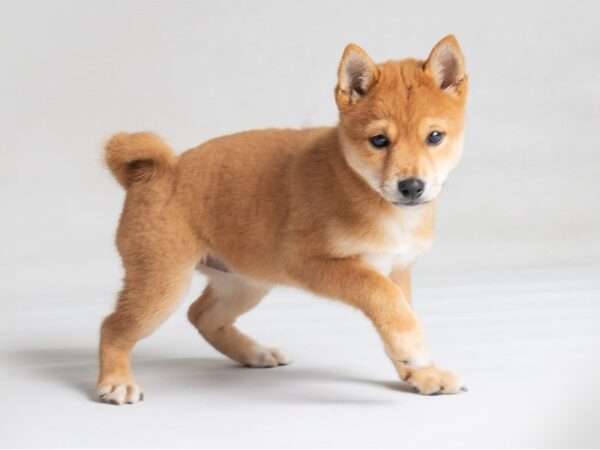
pixel 141 396
pixel 464 389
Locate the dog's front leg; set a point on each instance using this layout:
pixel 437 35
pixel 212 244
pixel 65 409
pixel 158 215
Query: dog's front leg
pixel 356 283
pixel 402 278
pixel 387 304
pixel 431 379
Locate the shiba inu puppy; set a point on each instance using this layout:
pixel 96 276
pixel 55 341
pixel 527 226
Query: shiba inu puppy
pixel 342 212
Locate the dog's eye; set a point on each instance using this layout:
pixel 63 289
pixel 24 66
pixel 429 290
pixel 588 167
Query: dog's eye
pixel 435 137
pixel 379 141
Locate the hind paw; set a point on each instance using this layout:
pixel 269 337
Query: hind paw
pixel 266 357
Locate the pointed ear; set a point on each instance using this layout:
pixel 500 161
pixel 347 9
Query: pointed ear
pixel 357 74
pixel 446 65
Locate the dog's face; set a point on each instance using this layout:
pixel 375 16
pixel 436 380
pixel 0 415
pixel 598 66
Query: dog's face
pixel 401 122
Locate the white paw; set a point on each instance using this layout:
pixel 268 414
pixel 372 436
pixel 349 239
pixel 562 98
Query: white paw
pixel 432 380
pixel 120 392
pixel 267 357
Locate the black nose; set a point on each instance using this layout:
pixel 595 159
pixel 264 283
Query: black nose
pixel 411 188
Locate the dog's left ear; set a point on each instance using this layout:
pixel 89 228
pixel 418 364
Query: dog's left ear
pixel 357 74
pixel 446 65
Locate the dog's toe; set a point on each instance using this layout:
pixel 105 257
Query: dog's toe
pixel 119 393
pixel 434 381
pixel 267 357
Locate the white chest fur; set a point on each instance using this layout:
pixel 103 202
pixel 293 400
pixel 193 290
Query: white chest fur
pixel 403 256
pixel 395 244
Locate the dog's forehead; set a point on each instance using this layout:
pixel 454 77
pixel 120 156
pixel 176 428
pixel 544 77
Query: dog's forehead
pixel 402 77
pixel 406 94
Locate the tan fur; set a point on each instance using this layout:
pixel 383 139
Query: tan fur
pixel 313 208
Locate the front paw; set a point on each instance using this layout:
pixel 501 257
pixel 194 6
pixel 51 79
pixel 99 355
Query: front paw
pixel 432 380
pixel 118 392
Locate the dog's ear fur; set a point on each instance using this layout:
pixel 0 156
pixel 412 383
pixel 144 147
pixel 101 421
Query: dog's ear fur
pixel 357 74
pixel 446 65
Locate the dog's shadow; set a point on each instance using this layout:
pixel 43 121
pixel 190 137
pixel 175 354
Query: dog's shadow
pixel 76 368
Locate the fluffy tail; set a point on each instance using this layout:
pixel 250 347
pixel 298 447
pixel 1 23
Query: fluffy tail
pixel 138 157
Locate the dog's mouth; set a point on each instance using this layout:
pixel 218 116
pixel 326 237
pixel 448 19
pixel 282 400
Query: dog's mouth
pixel 412 203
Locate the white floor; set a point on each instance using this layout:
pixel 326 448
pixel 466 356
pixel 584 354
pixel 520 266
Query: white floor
pixel 527 343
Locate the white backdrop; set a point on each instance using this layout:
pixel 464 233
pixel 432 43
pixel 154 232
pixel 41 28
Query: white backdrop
pixel 75 72
pixel 72 73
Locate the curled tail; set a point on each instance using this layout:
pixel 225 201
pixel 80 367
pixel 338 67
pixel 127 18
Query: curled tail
pixel 138 157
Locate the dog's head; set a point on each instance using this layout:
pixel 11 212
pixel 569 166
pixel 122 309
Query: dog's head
pixel 401 122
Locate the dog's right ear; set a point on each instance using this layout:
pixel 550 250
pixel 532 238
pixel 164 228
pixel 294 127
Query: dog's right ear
pixel 356 76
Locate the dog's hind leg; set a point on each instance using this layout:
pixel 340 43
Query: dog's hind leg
pixel 214 313
pixel 154 283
